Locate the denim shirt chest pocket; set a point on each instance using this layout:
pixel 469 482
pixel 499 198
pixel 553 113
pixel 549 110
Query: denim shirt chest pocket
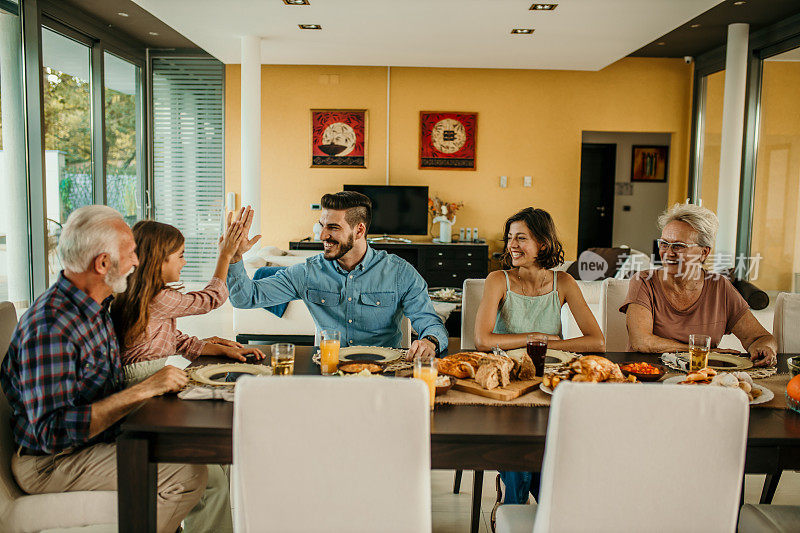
pixel 323 297
pixel 377 307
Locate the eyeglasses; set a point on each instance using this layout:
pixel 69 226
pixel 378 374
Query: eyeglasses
pixel 676 247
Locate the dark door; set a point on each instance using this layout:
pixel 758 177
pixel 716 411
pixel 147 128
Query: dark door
pixel 596 213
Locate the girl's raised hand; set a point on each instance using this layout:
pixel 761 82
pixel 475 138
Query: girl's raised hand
pixel 231 239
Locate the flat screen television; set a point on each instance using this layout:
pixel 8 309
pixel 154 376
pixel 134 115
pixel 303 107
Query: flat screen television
pixel 396 209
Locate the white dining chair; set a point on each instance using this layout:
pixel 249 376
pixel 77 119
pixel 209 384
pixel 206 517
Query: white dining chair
pixel 612 294
pixel 338 455
pixel 471 295
pixel 79 511
pixel 784 325
pixel 622 457
pixel 769 519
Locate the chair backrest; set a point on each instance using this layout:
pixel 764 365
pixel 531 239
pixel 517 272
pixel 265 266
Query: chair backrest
pixel 784 326
pixel 612 322
pixel 643 458
pixel 471 295
pixel 9 490
pixel 337 455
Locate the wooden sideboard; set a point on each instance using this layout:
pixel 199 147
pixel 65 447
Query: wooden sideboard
pixel 441 265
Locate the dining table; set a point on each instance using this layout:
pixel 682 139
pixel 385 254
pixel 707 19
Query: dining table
pixel 167 429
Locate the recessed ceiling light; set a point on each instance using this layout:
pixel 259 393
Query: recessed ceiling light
pixel 739 3
pixel 661 43
pixel 122 14
pixel 310 26
pixel 695 26
pixel 522 31
pixel 543 7
pixel 153 33
pixel 296 2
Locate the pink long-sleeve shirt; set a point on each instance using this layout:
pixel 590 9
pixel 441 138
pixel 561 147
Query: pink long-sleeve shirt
pixel 161 337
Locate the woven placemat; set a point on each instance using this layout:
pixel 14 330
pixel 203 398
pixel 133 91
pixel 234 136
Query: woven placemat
pixel 537 398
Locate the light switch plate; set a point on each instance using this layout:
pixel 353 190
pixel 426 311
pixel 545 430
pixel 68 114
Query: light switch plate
pixel 526 181
pixel 503 181
pixel 315 207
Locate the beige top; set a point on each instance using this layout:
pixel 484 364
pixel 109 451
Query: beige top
pixel 715 313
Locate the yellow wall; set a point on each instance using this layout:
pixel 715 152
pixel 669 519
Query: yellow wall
pixel 776 216
pixel 529 123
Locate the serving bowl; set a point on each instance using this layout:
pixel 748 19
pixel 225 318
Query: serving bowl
pixel 794 365
pixel 646 378
pixel 445 388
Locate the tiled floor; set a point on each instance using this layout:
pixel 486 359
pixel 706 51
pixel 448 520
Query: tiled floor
pixel 451 512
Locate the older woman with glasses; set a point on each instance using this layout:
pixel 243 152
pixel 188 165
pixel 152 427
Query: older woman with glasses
pixel 665 306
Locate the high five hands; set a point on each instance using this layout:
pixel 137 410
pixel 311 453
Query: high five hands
pixel 243 218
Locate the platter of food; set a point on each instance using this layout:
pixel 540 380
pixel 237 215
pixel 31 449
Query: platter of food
pixel 361 354
pixel 355 368
pixel 491 375
pixel 445 294
pixel 756 393
pixel 586 369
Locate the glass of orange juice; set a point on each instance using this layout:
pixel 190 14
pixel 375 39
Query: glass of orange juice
pixel 329 343
pixel 426 370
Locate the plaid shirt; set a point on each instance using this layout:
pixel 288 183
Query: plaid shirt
pixel 161 337
pixel 63 357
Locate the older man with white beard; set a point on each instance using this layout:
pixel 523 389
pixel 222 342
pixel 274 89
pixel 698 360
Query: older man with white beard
pixel 63 378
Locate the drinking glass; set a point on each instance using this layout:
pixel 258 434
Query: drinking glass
pixel 329 343
pixel 537 350
pixel 282 359
pixel 426 370
pixel 699 346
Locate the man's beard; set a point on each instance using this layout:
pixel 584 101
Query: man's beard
pixel 338 253
pixel 116 281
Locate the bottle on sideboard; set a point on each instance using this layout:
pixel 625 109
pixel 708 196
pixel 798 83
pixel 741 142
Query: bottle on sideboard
pixel 475 234
pixel 461 234
pixel 468 234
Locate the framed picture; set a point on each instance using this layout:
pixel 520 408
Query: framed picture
pixel 447 140
pixel 649 163
pixel 338 138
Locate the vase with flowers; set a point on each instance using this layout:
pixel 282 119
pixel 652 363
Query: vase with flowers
pixel 444 214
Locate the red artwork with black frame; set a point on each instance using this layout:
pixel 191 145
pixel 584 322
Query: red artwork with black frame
pixel 338 138
pixel 447 140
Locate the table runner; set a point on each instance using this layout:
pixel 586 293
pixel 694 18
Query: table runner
pixel 537 398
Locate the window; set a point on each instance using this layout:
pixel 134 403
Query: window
pixel 188 156
pixel 123 134
pixel 69 181
pixel 15 283
pixel 711 139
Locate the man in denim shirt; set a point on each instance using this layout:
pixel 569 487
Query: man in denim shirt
pixel 350 287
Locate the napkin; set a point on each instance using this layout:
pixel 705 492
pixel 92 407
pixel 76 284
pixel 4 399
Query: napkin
pixel 199 392
pixel 675 362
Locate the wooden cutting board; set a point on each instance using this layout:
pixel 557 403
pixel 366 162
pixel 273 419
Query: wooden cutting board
pixel 514 390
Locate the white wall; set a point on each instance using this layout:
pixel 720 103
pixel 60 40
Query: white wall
pixel 635 228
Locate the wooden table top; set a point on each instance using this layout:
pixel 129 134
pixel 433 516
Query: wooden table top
pixel 450 423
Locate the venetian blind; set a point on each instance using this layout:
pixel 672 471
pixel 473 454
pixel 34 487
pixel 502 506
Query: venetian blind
pixel 188 156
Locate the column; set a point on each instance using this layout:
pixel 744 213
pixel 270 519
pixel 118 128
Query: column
pixel 251 127
pixel 731 150
pixel 12 163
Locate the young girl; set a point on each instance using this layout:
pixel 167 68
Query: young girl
pixel 527 300
pixel 144 315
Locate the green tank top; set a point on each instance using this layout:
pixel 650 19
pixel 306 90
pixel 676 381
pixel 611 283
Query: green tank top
pixel 523 314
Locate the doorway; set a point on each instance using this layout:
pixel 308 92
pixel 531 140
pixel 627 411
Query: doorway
pixel 596 211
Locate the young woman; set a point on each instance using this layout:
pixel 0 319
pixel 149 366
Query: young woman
pixel 526 300
pixel 145 314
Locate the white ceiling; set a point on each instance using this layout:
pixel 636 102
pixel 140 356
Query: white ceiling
pixel 578 35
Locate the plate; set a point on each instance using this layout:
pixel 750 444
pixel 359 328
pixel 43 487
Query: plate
pixel 226 374
pixel 362 354
pixel 355 368
pixel 728 363
pixel 456 298
pixel 766 394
